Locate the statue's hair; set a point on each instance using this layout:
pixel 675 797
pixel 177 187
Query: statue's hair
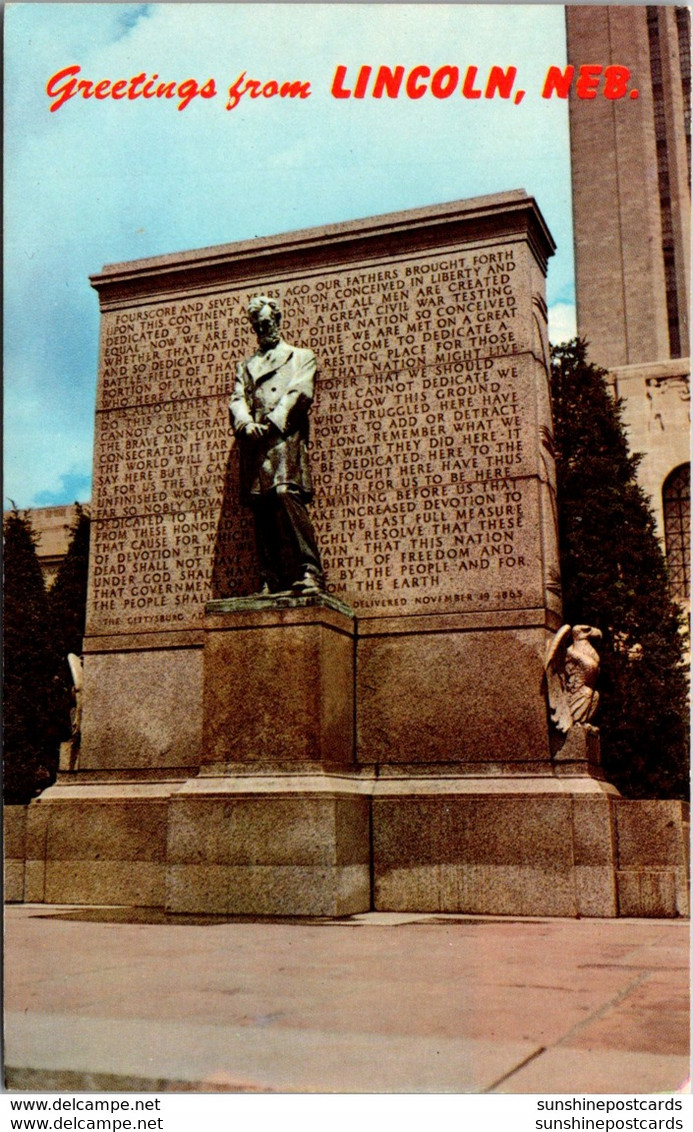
pixel 259 301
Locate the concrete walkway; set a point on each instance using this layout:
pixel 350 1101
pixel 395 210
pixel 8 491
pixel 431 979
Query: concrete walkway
pixel 123 999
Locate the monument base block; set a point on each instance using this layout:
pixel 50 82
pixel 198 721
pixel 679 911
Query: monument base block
pixel 654 866
pixel 96 841
pixel 315 843
pixel 14 845
pixel 535 846
pixel 280 845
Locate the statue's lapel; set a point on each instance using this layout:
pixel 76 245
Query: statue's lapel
pixel 260 365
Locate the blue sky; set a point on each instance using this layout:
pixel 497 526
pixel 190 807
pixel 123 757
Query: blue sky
pixel 98 182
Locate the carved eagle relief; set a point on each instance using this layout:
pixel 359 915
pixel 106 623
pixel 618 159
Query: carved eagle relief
pixel 572 670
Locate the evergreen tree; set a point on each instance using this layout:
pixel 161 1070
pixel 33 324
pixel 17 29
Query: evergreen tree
pixel 29 762
pixel 614 577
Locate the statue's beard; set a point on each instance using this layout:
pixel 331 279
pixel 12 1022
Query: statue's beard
pixel 271 338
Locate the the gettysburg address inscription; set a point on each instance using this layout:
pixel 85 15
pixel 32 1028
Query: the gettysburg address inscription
pixel 425 435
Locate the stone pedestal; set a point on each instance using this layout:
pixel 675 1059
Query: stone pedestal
pixel 277 822
pixel 278 681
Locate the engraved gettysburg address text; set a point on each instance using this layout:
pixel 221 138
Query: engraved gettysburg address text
pixel 424 440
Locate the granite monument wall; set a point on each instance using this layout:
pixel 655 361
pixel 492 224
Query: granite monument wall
pixel 431 454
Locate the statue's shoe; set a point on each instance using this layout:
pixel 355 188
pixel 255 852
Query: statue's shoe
pixel 308 584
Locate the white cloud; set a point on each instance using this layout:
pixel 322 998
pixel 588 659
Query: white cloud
pixel 562 322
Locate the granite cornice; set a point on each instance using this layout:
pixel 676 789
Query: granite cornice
pixel 360 242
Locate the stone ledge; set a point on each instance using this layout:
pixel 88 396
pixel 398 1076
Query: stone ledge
pixel 320 782
pixel 255 603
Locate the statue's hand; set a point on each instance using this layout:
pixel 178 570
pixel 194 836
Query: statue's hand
pixel 254 428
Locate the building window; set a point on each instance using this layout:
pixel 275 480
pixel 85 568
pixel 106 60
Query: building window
pixel 676 496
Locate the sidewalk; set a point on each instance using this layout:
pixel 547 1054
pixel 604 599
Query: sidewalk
pixel 122 999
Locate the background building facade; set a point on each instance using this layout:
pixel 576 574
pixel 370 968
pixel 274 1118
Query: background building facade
pixel 53 527
pixel 631 215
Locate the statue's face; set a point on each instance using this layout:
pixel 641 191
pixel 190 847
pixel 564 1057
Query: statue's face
pixel 266 323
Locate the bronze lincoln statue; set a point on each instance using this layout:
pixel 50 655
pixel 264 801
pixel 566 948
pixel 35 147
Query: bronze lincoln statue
pixel 269 409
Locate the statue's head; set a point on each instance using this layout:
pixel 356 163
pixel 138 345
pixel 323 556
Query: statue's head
pixel 265 318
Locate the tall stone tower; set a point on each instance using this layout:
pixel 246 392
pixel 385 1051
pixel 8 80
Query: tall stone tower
pixel 631 214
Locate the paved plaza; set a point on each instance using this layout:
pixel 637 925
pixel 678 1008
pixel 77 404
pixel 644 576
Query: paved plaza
pixel 116 999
